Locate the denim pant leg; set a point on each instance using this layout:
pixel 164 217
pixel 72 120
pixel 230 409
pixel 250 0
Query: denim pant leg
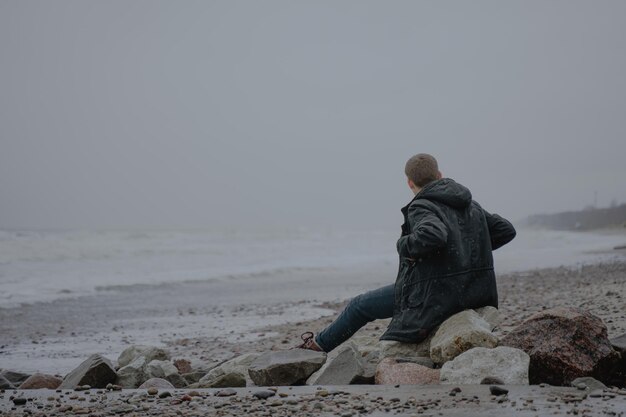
pixel 372 305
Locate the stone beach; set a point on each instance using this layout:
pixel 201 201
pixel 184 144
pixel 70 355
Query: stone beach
pixel 211 388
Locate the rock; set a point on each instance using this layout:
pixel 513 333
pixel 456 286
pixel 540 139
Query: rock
pixel 14 377
pixel 392 349
pixel 392 372
pixel 287 367
pixel 491 380
pixel 5 383
pixel 344 368
pixel 38 381
pixel 588 383
pixel 183 366
pixel 264 394
pixel 564 344
pixel 19 401
pixel 149 352
pixel 491 315
pixel 508 364
pixel 424 361
pixel 226 392
pixel 96 371
pixel 461 332
pixel 496 390
pixel 133 374
pixel 165 394
pixel 364 344
pixel 156 383
pixel 165 370
pixel 233 373
pixel 619 343
pixel 193 365
pixel 193 377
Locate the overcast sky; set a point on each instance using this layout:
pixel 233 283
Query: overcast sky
pixel 265 113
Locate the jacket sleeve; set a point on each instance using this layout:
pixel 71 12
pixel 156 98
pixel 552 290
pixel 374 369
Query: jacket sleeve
pixel 428 232
pixel 500 229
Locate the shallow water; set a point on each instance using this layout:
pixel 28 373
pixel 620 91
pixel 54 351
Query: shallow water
pixel 47 265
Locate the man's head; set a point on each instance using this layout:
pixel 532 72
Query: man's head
pixel 421 169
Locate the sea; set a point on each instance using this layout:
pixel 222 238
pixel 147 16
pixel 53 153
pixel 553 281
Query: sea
pixel 46 265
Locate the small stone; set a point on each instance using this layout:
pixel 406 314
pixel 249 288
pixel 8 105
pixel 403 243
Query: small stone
pixel 19 401
pixel 264 394
pixel 153 391
pixel 165 394
pixel 227 392
pixel 496 390
pixel 492 380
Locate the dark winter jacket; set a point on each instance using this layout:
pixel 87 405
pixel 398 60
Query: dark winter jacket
pixel 446 264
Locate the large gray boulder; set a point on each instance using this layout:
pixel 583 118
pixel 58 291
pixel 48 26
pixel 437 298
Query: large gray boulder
pixel 345 367
pixel 15 378
pixel 393 349
pixel 5 383
pixel 133 374
pixel 287 367
pixel 165 370
pixel 459 333
pixel 232 373
pixel 149 352
pixel 156 383
pixel 505 363
pixel 491 315
pixel 95 371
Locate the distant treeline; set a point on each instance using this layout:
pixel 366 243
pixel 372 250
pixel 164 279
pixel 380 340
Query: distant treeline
pixel 591 218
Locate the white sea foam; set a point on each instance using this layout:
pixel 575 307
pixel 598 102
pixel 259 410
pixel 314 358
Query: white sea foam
pixel 47 265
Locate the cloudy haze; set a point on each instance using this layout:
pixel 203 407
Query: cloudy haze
pixel 266 113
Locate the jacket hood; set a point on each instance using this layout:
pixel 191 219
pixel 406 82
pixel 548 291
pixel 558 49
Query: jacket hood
pixel 446 191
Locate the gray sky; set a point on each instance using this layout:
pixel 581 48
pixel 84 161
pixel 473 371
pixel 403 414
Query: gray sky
pixel 265 113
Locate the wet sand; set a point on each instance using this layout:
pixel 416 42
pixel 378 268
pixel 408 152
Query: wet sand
pixel 56 337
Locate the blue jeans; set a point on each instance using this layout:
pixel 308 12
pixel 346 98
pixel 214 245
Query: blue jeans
pixel 372 305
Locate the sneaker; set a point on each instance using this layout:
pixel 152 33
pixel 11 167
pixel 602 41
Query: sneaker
pixel 309 342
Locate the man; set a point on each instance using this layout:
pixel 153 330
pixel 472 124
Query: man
pixel 446 263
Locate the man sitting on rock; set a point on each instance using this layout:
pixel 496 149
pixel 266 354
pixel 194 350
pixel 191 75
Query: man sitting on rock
pixel 446 263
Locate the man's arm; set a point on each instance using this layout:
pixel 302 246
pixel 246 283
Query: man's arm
pixel 428 232
pixel 500 229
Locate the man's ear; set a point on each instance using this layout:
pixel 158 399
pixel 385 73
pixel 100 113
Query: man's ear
pixel 439 175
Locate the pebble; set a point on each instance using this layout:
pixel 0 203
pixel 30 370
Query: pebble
pixel 165 394
pixel 153 391
pixel 264 394
pixel 496 390
pixel 227 392
pixel 322 393
pixel 19 401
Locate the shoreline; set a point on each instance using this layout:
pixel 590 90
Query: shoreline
pixel 221 332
